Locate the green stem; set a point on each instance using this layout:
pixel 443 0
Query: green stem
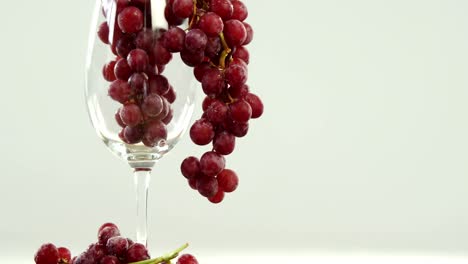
pixel 225 53
pixel 165 258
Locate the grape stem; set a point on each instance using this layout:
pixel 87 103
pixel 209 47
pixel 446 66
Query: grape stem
pixel 165 258
pixel 225 53
pixel 194 15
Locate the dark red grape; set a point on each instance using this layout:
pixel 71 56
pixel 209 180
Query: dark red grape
pixel 97 251
pixel 193 183
pixel 137 252
pixel 130 20
pixel 238 129
pixel 187 259
pixel 195 40
pixel 138 82
pixel 236 73
pixel 211 163
pixel 217 198
pixel 133 135
pixel 168 117
pixel 224 143
pixel 240 111
pixel 138 60
pixel 213 82
pixel 47 254
pixel 122 70
pixel 170 95
pixel 182 8
pixel 120 91
pixel 241 53
pixel 207 102
pixel 155 131
pixel 207 186
pixel 64 254
pixel 240 11
pixel 158 84
pixel 152 105
pixel 202 132
pixel 234 32
pixel 239 92
pixel 106 233
pixel 216 112
pixel 145 40
pixel 200 70
pixel 228 180
pixel 190 167
pixel 250 33
pixel 223 8
pixel 117 246
pixel 106 225
pixel 213 47
pixel 125 44
pixel 211 24
pixel 103 33
pixel 108 71
pixel 172 19
pixel 160 55
pixel 174 39
pixel 192 59
pixel 109 260
pixel 131 115
pixel 256 105
pixel 84 258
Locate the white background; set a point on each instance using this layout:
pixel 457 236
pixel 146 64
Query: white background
pixel 362 149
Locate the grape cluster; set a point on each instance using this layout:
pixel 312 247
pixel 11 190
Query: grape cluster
pixel 214 45
pixel 210 36
pixel 111 248
pixel 136 73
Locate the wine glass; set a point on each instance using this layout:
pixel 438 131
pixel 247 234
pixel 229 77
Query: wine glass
pixel 139 104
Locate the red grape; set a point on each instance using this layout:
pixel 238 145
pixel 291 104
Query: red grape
pixel 187 259
pixel 224 143
pixel 122 70
pixel 211 163
pixel 174 39
pixel 47 254
pixel 228 180
pixel 256 105
pixel 103 33
pixel 207 186
pixel 138 60
pixel 217 198
pixel 211 24
pixel 130 20
pixel 234 32
pixel 202 132
pixel 155 131
pixel 131 115
pixel 182 8
pixel 120 91
pixel 137 252
pixel 240 11
pixel 190 167
pixel 195 40
pixel 108 71
pixel 213 82
pixel 223 8
pixel 152 105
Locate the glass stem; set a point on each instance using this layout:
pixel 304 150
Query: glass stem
pixel 142 180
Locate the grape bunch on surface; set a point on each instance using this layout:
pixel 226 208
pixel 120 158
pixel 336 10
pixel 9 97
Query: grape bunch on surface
pixel 210 36
pixel 111 248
